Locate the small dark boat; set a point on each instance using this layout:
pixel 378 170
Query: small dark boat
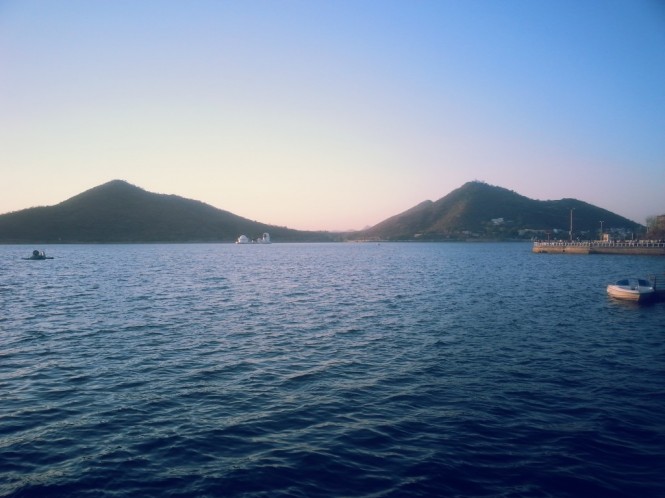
pixel 38 255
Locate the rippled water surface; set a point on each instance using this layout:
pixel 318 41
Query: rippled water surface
pixel 327 370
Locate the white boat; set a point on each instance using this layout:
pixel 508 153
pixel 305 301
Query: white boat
pixel 265 239
pixel 632 289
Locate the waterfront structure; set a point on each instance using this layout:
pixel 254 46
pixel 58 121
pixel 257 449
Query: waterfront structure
pixel 634 247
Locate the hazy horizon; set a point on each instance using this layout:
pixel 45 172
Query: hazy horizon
pixel 334 115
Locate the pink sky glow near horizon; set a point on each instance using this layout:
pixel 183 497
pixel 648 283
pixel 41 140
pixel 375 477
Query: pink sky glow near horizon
pixel 334 115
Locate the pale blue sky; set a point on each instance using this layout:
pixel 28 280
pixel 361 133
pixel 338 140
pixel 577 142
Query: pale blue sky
pixel 334 114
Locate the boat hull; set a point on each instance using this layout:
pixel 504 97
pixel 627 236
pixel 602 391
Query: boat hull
pixel 627 294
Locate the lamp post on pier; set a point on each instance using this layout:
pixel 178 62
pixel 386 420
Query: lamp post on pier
pixel 571 223
pixel 601 230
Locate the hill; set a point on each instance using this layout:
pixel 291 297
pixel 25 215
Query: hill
pixel 482 211
pixel 120 212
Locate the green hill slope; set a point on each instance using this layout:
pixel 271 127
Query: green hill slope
pixel 119 212
pixel 479 210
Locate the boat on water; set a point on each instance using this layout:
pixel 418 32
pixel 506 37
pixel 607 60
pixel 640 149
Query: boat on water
pixel 264 239
pixel 39 255
pixel 632 289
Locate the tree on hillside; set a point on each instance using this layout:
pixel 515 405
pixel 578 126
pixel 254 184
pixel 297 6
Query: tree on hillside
pixel 656 227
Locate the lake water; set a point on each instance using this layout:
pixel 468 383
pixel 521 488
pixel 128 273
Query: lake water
pixel 301 370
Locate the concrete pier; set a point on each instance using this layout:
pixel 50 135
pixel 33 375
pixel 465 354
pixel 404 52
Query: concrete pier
pixel 642 247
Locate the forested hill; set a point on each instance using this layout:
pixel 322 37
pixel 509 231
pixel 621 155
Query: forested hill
pixel 479 210
pixel 120 212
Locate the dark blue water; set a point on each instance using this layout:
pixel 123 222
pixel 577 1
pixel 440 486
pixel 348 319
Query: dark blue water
pixel 327 370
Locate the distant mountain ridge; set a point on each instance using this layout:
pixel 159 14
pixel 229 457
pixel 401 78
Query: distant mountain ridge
pixel 483 211
pixel 120 212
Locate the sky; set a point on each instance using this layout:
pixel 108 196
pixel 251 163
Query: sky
pixel 334 114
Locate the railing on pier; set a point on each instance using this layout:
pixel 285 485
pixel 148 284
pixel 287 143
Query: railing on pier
pixel 600 243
